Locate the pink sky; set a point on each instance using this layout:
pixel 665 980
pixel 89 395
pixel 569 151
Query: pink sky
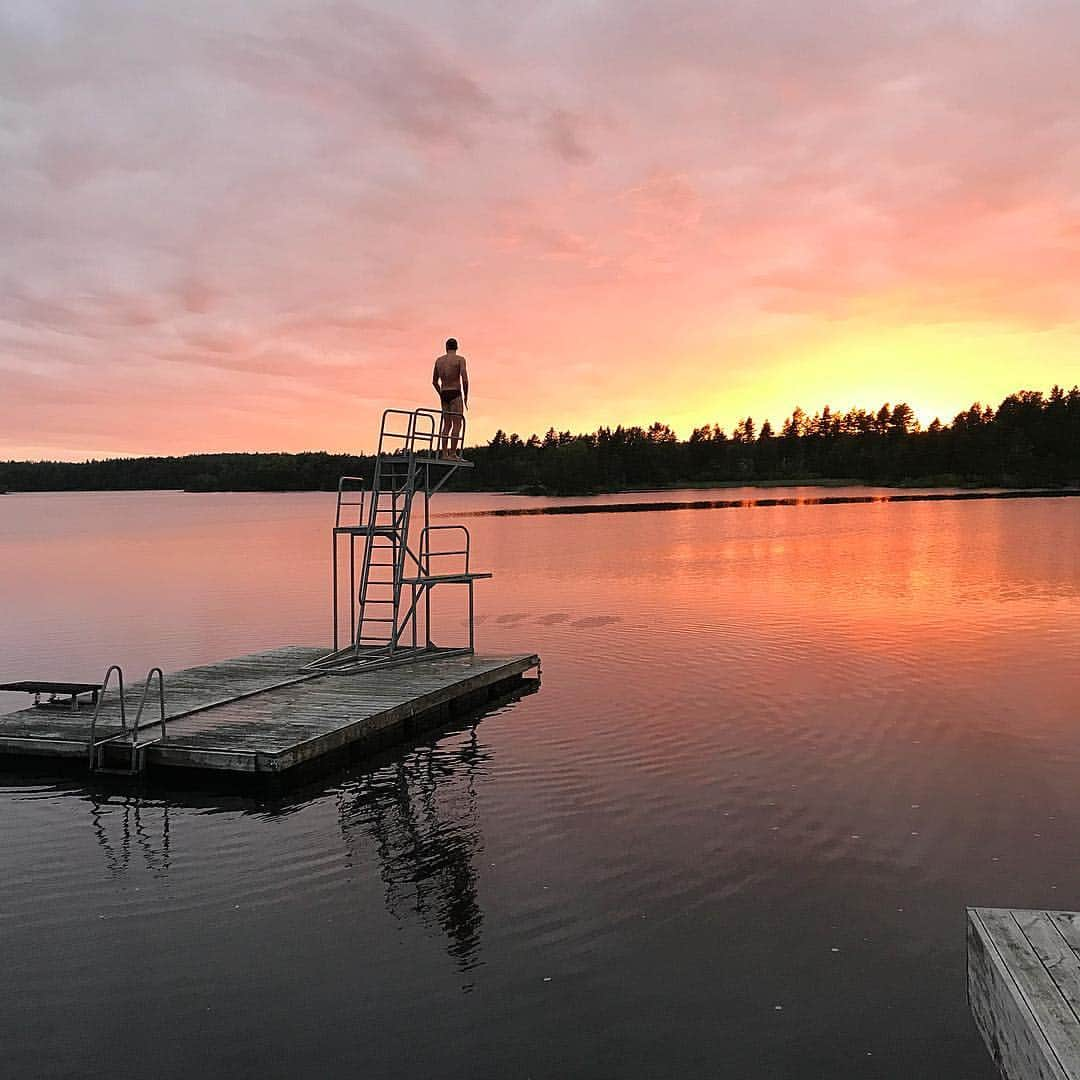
pixel 230 225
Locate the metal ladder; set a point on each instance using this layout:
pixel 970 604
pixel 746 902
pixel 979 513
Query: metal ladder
pixel 386 544
pixel 408 471
pixel 131 741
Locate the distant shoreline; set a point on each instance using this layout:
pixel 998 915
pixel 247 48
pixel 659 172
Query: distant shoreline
pixel 905 492
pixel 743 504
pixel 764 485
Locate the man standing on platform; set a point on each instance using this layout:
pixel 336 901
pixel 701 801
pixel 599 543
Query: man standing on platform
pixel 451 381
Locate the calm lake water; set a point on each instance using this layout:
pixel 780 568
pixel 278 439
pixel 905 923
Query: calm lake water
pixel 775 753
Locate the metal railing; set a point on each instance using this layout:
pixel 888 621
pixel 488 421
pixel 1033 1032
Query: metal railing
pixel 446 435
pixel 92 744
pixel 136 746
pixel 426 554
pixel 96 746
pixel 344 504
pixel 423 431
pixel 462 575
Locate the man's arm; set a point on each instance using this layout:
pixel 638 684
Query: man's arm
pixel 465 382
pixel 435 377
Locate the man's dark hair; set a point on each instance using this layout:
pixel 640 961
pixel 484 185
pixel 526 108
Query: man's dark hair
pixel 451 343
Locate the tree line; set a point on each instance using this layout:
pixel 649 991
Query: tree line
pixel 1031 439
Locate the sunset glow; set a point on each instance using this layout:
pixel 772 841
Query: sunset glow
pixel 241 227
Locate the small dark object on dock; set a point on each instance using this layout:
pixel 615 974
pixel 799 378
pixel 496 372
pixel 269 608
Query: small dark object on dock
pixel 73 691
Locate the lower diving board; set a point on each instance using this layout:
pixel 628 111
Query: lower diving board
pixel 1023 973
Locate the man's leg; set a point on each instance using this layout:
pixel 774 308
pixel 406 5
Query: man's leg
pixel 444 433
pixel 458 422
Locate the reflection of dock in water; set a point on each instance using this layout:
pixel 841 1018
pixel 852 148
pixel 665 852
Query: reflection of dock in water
pixel 413 810
pixel 130 828
pixel 421 819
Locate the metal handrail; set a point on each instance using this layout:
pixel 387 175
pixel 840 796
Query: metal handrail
pixel 342 491
pixel 161 702
pixel 137 727
pixel 442 413
pixel 426 554
pixel 415 433
pixel 408 435
pixel 92 746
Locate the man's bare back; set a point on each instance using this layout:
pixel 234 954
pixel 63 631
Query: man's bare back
pixel 448 369
pixel 451 381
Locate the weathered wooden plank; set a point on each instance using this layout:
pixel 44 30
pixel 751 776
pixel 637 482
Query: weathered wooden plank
pixel 1068 925
pixel 14 746
pixel 1061 962
pixel 210 758
pixel 1027 1026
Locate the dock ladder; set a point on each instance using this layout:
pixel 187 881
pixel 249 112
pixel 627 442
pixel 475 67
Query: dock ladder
pixel 123 752
pixel 390 521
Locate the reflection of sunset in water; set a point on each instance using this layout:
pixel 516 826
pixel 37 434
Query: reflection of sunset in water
pixel 775 750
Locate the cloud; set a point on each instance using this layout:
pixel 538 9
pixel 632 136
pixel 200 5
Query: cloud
pixel 340 58
pixel 243 209
pixel 563 133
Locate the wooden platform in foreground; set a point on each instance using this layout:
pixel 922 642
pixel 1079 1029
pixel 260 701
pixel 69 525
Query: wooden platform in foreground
pixel 1024 990
pixel 287 717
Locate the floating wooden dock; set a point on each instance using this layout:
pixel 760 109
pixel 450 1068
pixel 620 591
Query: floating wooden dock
pixel 263 714
pixel 1024 990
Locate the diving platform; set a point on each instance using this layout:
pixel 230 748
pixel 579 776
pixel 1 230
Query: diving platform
pixel 272 712
pixel 1023 974
pixel 262 714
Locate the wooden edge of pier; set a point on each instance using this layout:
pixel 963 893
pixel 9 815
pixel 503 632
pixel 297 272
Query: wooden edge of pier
pixel 1023 979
